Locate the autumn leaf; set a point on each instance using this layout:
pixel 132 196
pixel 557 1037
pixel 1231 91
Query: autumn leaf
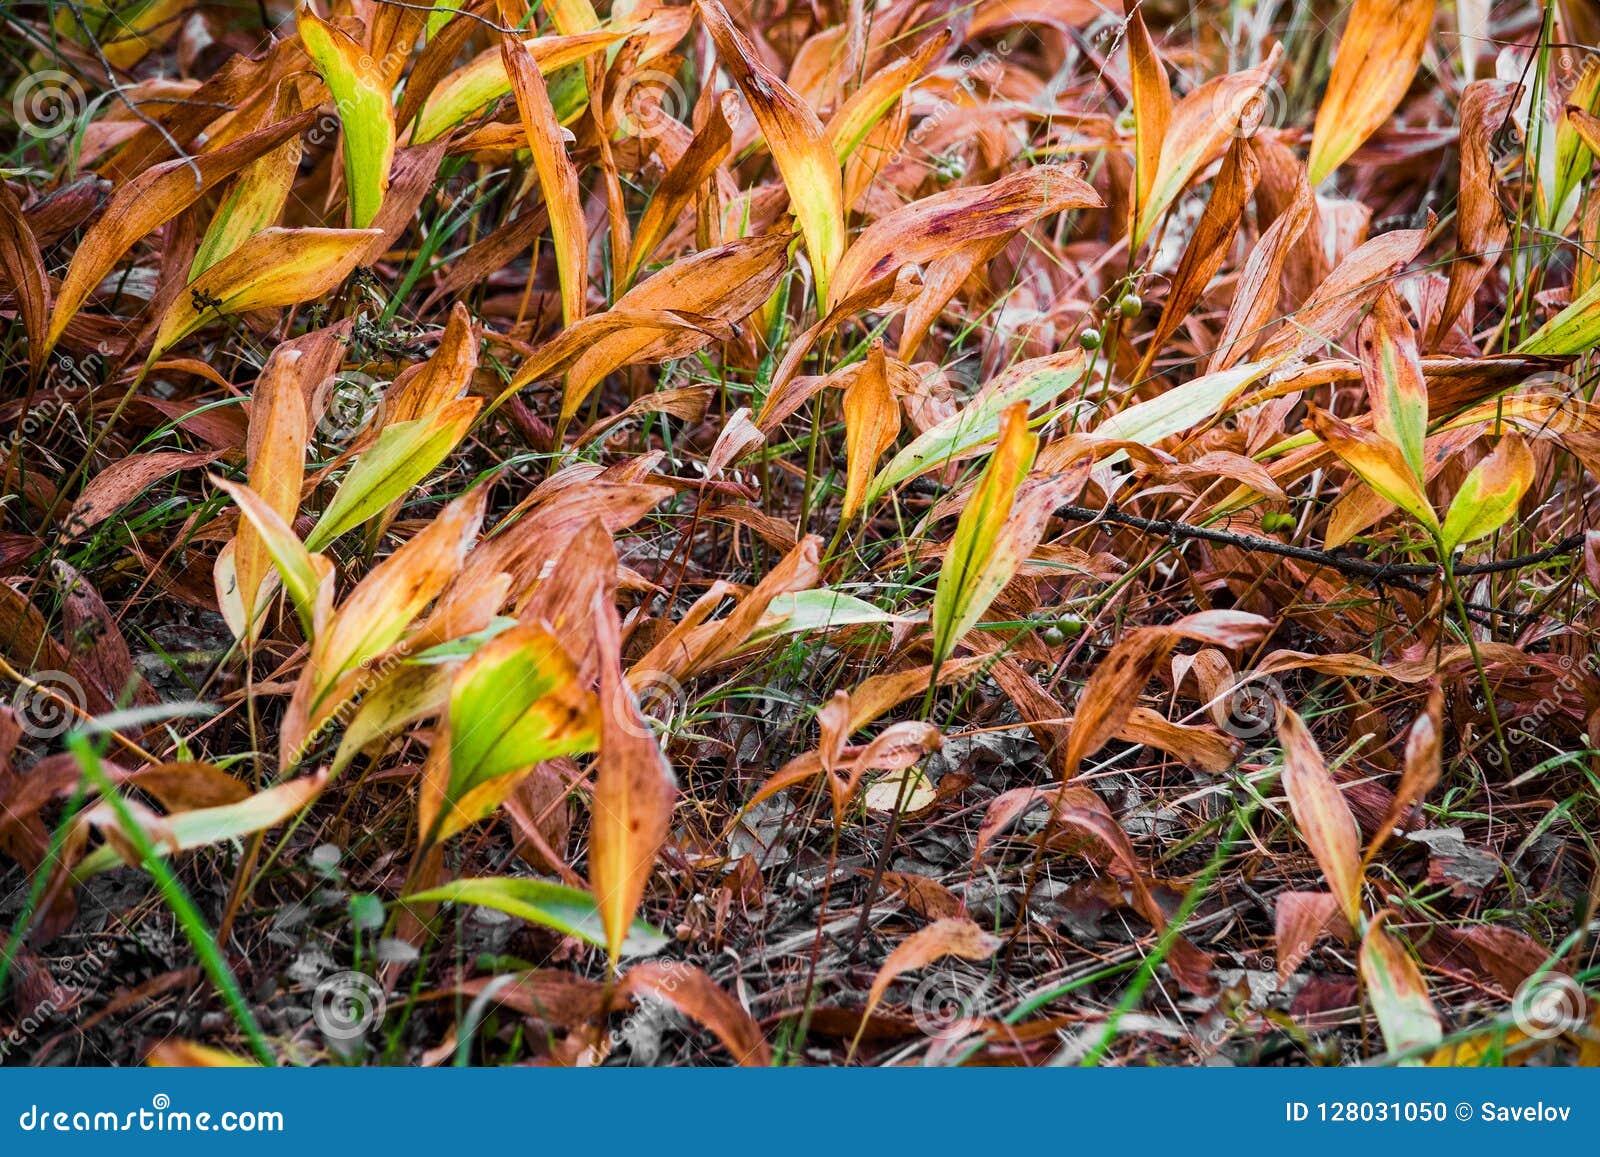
pixel 1490 494
pixel 270 269
pixel 1376 57
pixel 981 558
pixel 1397 991
pixel 634 790
pixel 871 424
pixel 557 177
pixel 514 703
pixel 1322 814
pixel 799 145
pixel 1380 464
pixel 361 98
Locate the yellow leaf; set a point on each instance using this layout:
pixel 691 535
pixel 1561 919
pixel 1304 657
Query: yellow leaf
pixel 855 118
pixel 484 79
pixel 1490 494
pixel 1152 109
pixel 366 113
pixel 1393 375
pixel 403 455
pixel 156 195
pixel 273 268
pixel 1378 462
pixel 1202 124
pixel 1373 65
pixel 183 1054
pixel 276 450
pixel 254 202
pixel 397 590
pixel 302 572
pixel 799 146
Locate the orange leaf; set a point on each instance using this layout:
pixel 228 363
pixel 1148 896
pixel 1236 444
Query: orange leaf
pixel 634 790
pixel 1373 65
pixel 557 177
pixel 1322 814
pixel 871 424
pixel 955 936
pixel 701 999
pixel 798 143
pixel 277 454
pixel 1152 107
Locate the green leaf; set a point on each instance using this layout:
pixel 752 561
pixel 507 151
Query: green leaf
pixel 365 108
pixel 1398 993
pixel 1179 408
pixel 484 79
pixel 516 702
pixel 816 610
pixel 1573 331
pixel 963 434
pixel 404 454
pixel 1490 494
pixel 557 906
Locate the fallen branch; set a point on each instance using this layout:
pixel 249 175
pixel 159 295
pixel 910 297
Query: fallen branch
pixel 1381 574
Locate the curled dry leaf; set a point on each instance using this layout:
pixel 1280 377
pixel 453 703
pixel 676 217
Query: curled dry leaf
pixel 693 993
pixel 954 936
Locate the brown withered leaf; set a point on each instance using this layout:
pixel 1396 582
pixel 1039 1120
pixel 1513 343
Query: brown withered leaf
pixel 557 177
pixel 1112 691
pixel 123 481
pixel 1208 247
pixel 1322 814
pixel 693 993
pixel 634 790
pixel 22 272
pixel 956 936
pixel 1299 919
pixel 934 226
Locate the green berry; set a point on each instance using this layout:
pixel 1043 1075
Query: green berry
pixel 1131 306
pixel 1275 522
pixel 1090 339
pixel 1053 635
